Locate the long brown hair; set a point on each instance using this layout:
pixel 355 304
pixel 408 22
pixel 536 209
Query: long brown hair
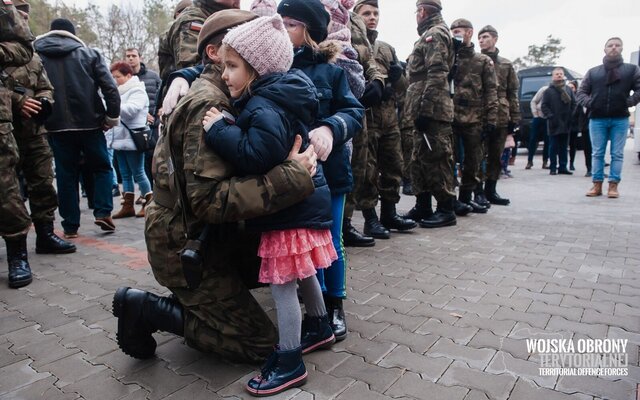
pixel 226 49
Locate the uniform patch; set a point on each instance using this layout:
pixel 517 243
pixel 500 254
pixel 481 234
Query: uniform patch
pixel 196 26
pixel 7 2
pixel 428 39
pixel 491 63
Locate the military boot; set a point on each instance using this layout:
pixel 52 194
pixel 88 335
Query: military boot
pixel 391 220
pixel 493 196
pixel 372 225
pixel 352 238
pixel 335 311
pixel 139 315
pixel 422 209
pixel 48 242
pixel 444 216
pixel 407 189
pixel 465 197
pixel 316 334
pixel 283 370
pixel 19 269
pixel 461 209
pixel 479 197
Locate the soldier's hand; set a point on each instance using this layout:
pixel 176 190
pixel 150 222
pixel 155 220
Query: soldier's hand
pixel 395 72
pixel 421 123
pixel 30 108
pixel 179 87
pixel 322 140
pixel 308 158
pixel 372 94
pixel 388 92
pixel 488 132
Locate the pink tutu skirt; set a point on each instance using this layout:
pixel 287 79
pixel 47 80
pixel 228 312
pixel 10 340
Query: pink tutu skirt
pixel 293 254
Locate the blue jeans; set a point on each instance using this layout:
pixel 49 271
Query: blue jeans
pixel 131 165
pixel 333 280
pixel 602 130
pixel 558 152
pixel 538 128
pixel 68 149
pixel 114 176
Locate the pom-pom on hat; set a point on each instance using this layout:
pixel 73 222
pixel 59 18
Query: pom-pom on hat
pixel 311 12
pixel 263 43
pixel 264 8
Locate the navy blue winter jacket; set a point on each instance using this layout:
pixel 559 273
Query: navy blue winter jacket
pixel 339 109
pixel 275 109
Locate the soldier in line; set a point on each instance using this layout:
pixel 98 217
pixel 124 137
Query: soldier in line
pixel 213 308
pixel 475 103
pixel 166 62
pixel 430 107
pixel 384 168
pixel 508 115
pixel 15 50
pixel 406 139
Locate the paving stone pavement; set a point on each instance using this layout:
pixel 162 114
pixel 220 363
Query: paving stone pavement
pixel 433 314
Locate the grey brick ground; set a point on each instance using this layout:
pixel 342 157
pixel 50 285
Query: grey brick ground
pixel 439 314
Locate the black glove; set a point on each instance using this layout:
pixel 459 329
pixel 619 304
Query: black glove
pixel 395 72
pixel 372 94
pixel 421 123
pixel 388 92
pixel 488 132
pixel 45 111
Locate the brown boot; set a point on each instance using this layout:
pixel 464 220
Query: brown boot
pixel 127 209
pixel 612 193
pixel 147 199
pixel 596 190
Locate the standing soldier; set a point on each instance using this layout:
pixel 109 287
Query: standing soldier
pixel 384 168
pixel 31 100
pixel 429 105
pixel 508 112
pixel 166 62
pixel 15 50
pixel 476 108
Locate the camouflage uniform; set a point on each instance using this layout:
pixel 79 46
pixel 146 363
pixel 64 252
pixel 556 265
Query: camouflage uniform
pixel 508 112
pixel 35 154
pixel 428 96
pixel 384 166
pixel 221 316
pixel 166 63
pixel 476 106
pixel 15 50
pixel 406 134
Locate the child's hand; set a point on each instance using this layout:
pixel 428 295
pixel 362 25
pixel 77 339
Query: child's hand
pixel 211 117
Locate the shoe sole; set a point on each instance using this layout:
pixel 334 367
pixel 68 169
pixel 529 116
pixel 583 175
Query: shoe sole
pixel 20 283
pixel 408 228
pixel 340 338
pixel 452 223
pixel 67 251
pixel 118 312
pixel 325 344
pixel 301 380
pixel 105 226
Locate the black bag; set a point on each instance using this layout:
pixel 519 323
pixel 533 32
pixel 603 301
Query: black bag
pixel 142 137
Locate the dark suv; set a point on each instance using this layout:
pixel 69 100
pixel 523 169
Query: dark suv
pixel 531 80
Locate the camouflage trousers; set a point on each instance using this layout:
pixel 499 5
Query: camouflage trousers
pixel 384 166
pixel 359 163
pixel 406 141
pixel 493 148
pixel 35 163
pixel 13 213
pixel 432 163
pixel 470 136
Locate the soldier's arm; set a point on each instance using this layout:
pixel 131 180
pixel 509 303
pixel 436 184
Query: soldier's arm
pixel 402 84
pixel 43 88
pixel 490 93
pixel 512 95
pixel 165 57
pixel 184 44
pixel 15 53
pixel 15 38
pixel 437 73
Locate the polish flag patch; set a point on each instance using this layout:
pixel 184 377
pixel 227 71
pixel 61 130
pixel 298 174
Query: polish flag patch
pixel 7 2
pixel 428 39
pixel 196 26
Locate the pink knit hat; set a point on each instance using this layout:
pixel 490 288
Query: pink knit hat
pixel 264 8
pixel 263 43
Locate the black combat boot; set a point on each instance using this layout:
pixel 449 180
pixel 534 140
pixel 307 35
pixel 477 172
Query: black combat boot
pixel 336 317
pixel 493 196
pixel 372 225
pixel 283 370
pixel 465 197
pixel 479 197
pixel 352 238
pixel 139 315
pixel 48 242
pixel 407 188
pixel 461 209
pixel 19 269
pixel 391 220
pixel 316 334
pixel 423 208
pixel 444 216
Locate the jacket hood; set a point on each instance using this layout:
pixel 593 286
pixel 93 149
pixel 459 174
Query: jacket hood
pixel 57 43
pixel 292 90
pixel 327 52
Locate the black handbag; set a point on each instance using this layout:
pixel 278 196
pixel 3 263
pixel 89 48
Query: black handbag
pixel 142 137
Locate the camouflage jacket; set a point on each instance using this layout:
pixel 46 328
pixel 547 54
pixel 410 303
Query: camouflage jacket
pixel 33 79
pixel 428 67
pixel 508 104
pixel 166 63
pixel 384 54
pixel 475 99
pixel 362 45
pixel 212 198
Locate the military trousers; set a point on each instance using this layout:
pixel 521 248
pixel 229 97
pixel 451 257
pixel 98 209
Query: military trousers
pixel 494 145
pixel 13 213
pixel 470 137
pixel 432 161
pixel 384 166
pixel 359 164
pixel 406 141
pixel 36 160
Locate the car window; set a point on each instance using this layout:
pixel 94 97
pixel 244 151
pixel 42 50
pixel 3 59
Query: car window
pixel 531 85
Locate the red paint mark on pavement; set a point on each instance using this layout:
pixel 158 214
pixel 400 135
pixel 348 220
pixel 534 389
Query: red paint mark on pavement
pixel 137 258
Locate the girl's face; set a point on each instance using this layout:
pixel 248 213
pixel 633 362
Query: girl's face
pixel 236 74
pixel 296 30
pixel 119 77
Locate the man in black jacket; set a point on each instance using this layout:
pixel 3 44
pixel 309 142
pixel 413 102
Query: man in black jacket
pixel 605 92
pixel 78 120
pixel 558 104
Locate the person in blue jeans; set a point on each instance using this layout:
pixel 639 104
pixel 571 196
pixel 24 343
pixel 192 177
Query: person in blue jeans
pixel 605 93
